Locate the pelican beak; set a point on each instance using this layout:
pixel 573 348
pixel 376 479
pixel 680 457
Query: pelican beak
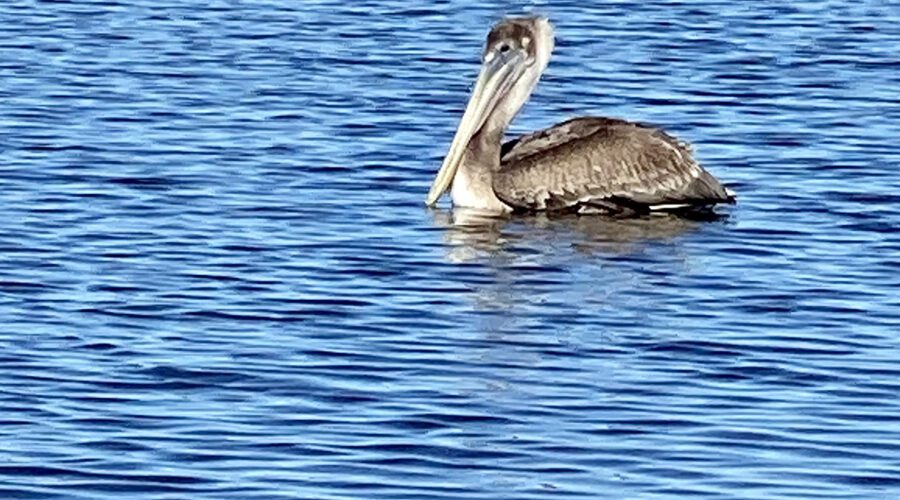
pixel 499 73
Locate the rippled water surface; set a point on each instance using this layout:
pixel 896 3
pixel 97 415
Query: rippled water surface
pixel 218 278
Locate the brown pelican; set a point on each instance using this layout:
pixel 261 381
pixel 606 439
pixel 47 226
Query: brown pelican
pixel 583 165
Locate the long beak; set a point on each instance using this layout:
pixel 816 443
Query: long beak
pixel 498 75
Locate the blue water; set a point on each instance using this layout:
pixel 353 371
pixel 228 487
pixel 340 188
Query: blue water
pixel 218 279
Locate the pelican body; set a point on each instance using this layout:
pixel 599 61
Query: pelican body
pixel 584 165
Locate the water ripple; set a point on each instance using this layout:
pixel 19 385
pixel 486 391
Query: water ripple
pixel 219 281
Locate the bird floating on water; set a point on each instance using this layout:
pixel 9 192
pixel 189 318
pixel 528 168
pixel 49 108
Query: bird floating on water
pixel 583 165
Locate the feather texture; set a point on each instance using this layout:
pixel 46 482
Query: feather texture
pixel 603 164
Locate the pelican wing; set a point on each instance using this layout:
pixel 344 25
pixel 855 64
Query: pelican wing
pixel 603 163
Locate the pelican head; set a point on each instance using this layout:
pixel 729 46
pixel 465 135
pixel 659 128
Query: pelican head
pixel 515 54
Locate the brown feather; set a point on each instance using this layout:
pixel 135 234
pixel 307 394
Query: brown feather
pixel 603 163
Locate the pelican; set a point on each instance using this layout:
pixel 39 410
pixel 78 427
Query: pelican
pixel 583 165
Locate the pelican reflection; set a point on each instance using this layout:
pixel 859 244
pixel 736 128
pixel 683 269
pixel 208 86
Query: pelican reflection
pixel 472 234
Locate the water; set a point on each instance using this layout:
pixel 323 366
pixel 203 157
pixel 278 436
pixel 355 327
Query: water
pixel 218 279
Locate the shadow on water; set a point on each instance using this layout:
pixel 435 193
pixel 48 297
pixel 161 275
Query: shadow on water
pixel 472 235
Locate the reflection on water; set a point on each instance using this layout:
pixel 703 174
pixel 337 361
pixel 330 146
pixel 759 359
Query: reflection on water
pixel 218 280
pixel 471 234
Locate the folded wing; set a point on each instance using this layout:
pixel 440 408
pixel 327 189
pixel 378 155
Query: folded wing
pixel 603 163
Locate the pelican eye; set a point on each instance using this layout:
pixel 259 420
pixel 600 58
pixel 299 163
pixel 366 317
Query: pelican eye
pixel 504 48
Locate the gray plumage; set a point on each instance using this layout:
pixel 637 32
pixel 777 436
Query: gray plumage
pixel 585 165
pixel 606 164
